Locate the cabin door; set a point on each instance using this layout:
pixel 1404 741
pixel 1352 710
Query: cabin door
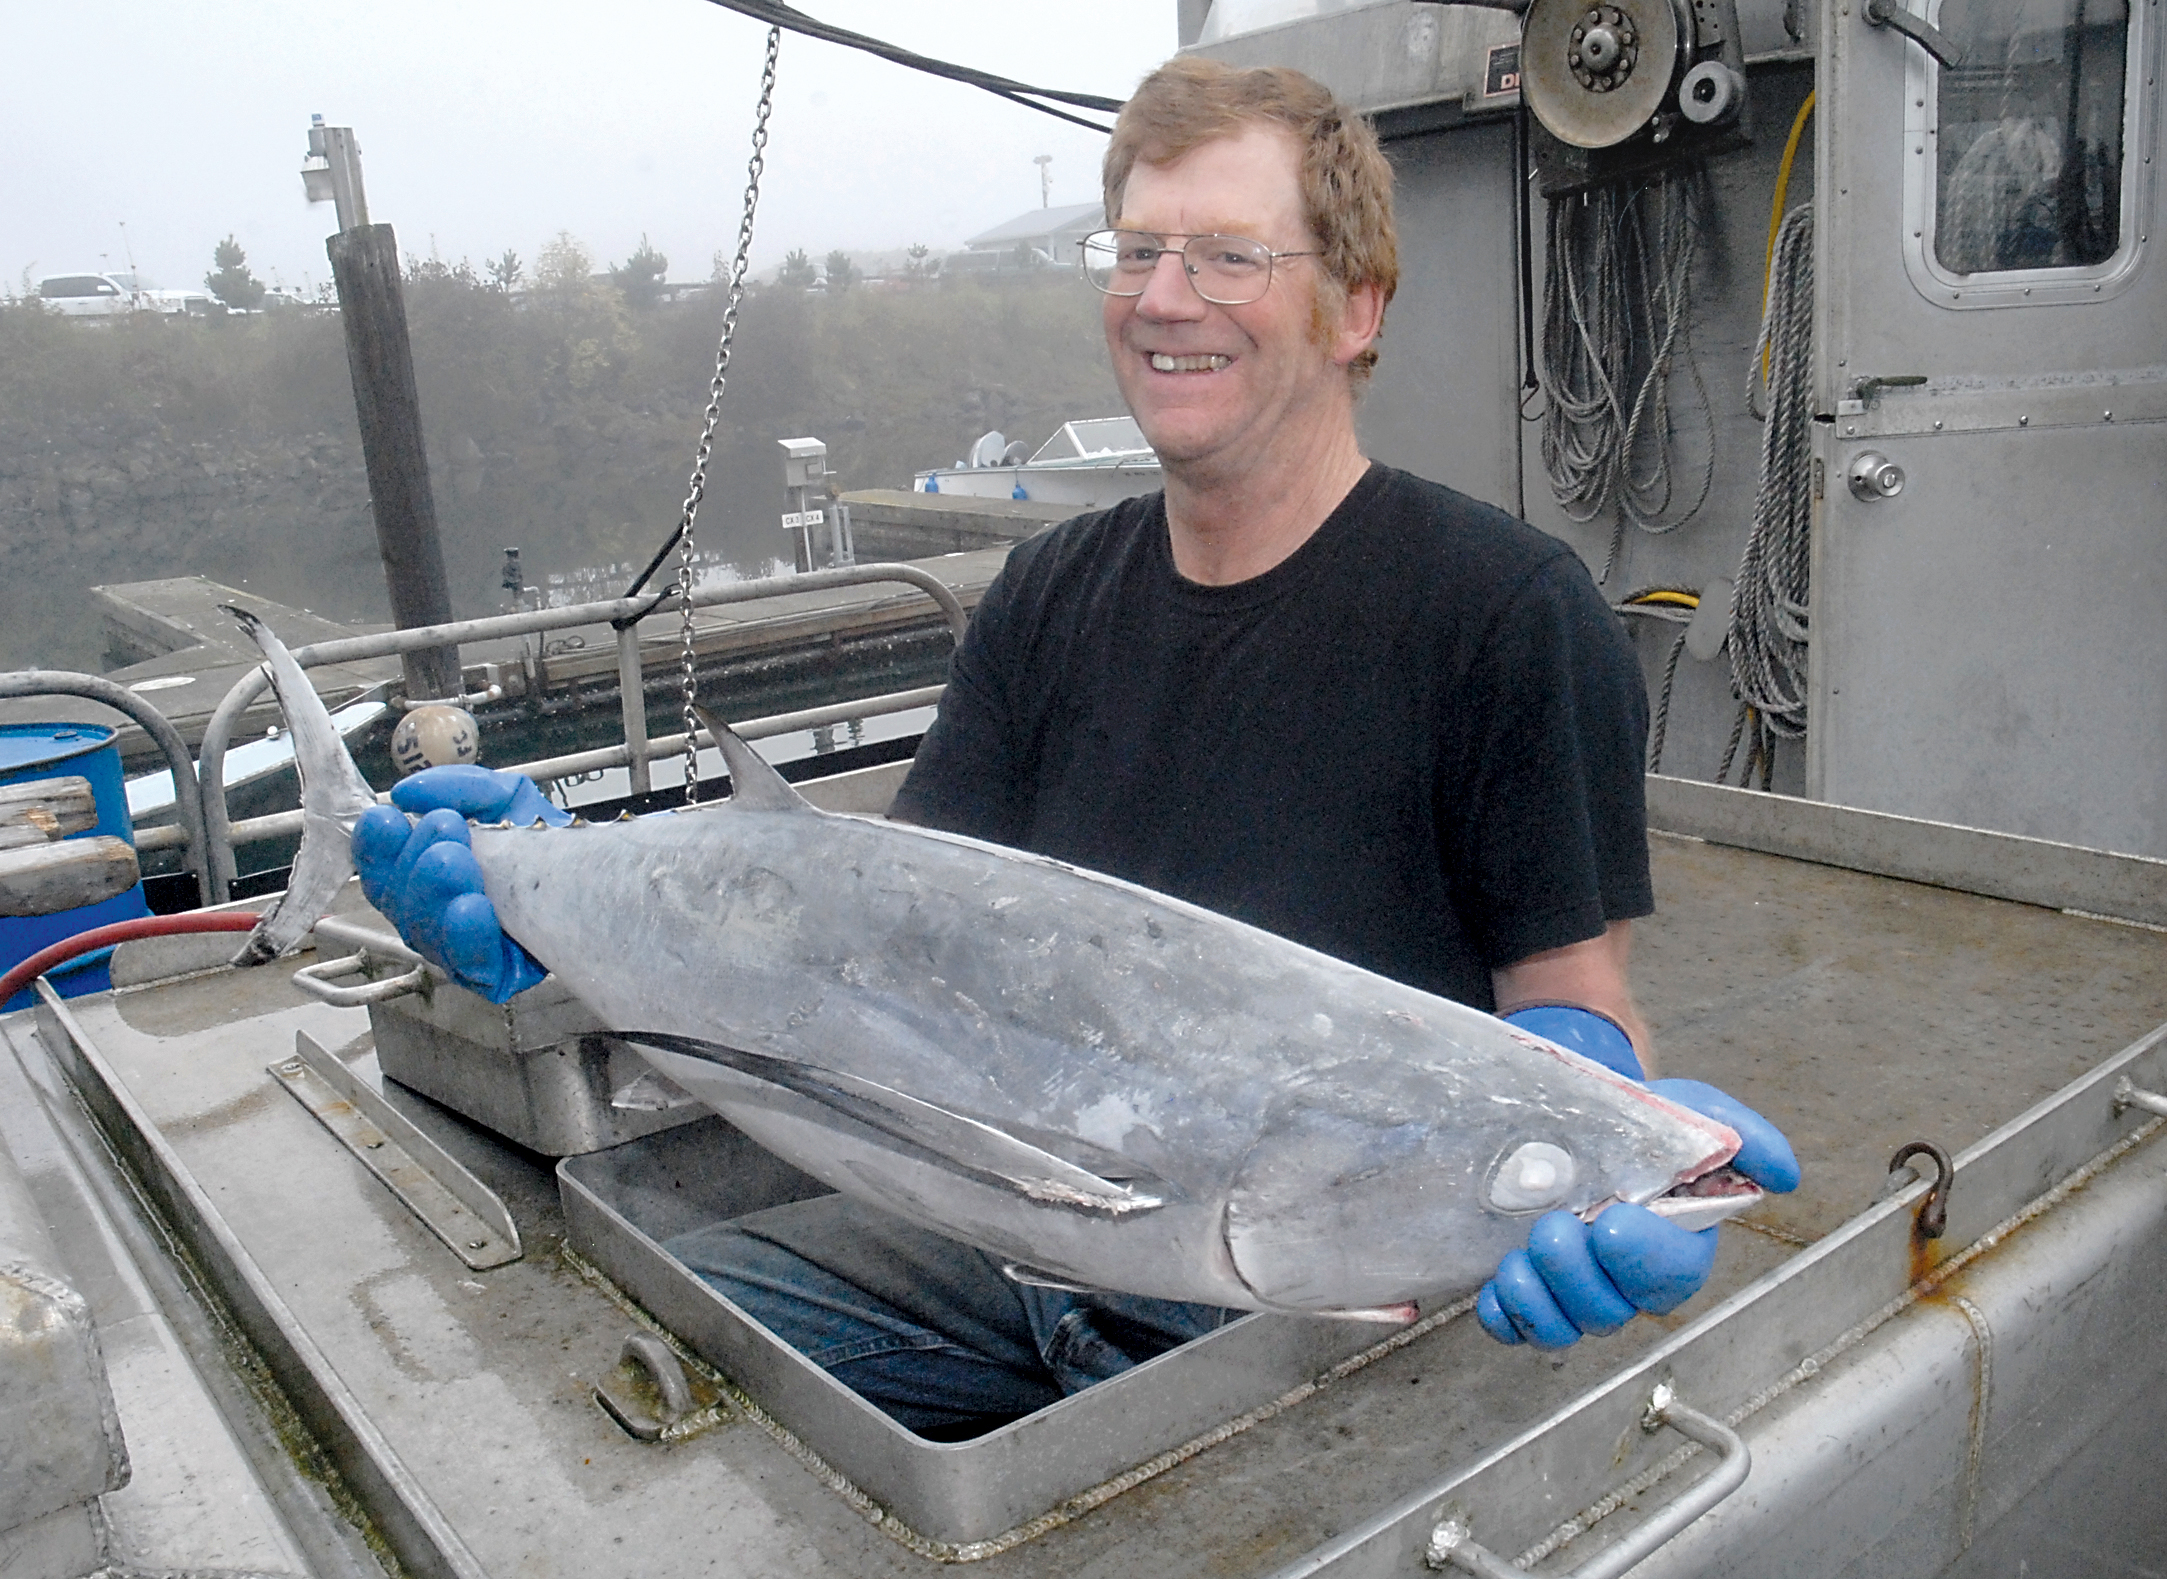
pixel 1989 603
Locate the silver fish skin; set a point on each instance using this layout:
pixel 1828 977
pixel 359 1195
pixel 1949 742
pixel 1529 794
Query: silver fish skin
pixel 1098 1083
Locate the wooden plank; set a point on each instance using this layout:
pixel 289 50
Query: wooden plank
pixel 39 811
pixel 48 878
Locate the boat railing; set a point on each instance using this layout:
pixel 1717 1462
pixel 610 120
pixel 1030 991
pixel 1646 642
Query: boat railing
pixel 211 847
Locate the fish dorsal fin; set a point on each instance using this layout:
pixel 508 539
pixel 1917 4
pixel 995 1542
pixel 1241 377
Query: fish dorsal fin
pixel 754 784
pixel 333 797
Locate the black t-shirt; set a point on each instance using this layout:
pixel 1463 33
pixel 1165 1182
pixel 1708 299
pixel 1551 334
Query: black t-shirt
pixel 1415 743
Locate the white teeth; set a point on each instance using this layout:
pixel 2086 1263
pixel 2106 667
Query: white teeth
pixel 1162 363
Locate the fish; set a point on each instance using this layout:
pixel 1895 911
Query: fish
pixel 1101 1086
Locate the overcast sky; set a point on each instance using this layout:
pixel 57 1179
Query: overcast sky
pixel 487 124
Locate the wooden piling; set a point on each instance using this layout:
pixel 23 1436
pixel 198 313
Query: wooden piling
pixel 365 265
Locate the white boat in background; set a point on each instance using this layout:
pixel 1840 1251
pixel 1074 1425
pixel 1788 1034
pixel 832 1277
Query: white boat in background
pixel 1088 463
pixel 252 764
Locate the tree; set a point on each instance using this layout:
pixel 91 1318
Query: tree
pixel 504 272
pixel 842 273
pixel 641 276
pixel 230 280
pixel 564 266
pixel 919 264
pixel 797 271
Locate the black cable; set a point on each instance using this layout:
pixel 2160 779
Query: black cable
pixel 777 14
pixel 1524 247
pixel 669 546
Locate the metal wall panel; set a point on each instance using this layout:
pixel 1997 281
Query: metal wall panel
pixel 1441 402
pixel 1383 57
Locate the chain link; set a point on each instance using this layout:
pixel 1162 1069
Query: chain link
pixel 697 490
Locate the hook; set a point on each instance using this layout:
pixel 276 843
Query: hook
pixel 1934 1215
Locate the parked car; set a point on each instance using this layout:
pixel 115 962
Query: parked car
pixel 86 295
pixel 108 295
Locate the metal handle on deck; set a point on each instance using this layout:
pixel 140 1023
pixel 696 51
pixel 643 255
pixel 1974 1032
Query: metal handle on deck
pixel 2128 1094
pixel 1452 1544
pixel 317 979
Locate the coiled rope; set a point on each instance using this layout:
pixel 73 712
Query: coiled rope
pixel 1768 634
pixel 1616 319
pixel 1671 606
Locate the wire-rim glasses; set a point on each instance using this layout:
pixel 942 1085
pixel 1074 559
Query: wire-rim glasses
pixel 1227 271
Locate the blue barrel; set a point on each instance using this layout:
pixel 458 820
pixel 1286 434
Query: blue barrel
pixel 48 751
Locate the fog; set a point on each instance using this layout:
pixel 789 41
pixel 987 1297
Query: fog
pixel 156 129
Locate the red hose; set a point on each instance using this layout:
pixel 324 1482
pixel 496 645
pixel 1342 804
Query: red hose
pixel 121 932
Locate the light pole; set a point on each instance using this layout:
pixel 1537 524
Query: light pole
pixel 1045 180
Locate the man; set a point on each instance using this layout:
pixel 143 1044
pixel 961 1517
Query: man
pixel 1302 689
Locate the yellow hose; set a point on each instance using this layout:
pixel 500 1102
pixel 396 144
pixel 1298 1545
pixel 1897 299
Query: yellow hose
pixel 1775 212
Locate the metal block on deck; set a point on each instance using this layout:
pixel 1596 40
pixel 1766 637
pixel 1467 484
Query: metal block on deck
pixel 540 1070
pixel 60 1438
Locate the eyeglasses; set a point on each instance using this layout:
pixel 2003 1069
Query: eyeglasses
pixel 1228 271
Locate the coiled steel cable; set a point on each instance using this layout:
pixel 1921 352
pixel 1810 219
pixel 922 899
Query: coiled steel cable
pixel 1617 290
pixel 1770 600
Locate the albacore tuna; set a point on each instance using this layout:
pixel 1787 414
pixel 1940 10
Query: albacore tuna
pixel 1096 1082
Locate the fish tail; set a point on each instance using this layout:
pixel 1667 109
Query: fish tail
pixel 333 797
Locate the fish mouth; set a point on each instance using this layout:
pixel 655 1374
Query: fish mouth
pixel 1716 1196
pixel 1205 362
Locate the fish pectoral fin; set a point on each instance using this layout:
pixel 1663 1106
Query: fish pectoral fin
pixel 1035 1277
pixel 962 1144
pixel 754 783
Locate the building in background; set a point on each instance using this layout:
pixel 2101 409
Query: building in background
pixel 1038 238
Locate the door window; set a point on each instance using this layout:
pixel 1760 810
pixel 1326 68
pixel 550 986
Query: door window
pixel 2019 176
pixel 2029 160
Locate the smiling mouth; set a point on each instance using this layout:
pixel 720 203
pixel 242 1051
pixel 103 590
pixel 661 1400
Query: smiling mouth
pixel 1162 363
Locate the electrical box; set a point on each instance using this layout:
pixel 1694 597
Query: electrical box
pixel 805 463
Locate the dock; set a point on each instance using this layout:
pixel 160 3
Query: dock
pixel 183 654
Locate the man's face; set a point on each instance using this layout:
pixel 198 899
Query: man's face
pixel 1210 383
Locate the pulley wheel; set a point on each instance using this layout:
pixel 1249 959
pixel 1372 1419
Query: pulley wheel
pixel 1595 71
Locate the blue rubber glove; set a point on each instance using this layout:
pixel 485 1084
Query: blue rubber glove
pixel 1581 1031
pixel 422 874
pixel 1576 1278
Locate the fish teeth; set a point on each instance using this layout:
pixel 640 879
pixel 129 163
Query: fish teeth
pixel 1211 363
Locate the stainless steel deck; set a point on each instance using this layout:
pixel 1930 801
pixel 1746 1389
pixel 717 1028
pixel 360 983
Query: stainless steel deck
pixel 1858 1011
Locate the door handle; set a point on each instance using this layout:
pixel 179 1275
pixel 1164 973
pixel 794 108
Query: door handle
pixel 1872 475
pixel 1890 13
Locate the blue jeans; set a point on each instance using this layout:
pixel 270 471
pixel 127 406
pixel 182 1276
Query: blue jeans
pixel 929 1330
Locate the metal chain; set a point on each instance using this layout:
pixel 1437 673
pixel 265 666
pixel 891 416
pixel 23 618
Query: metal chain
pixel 698 487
